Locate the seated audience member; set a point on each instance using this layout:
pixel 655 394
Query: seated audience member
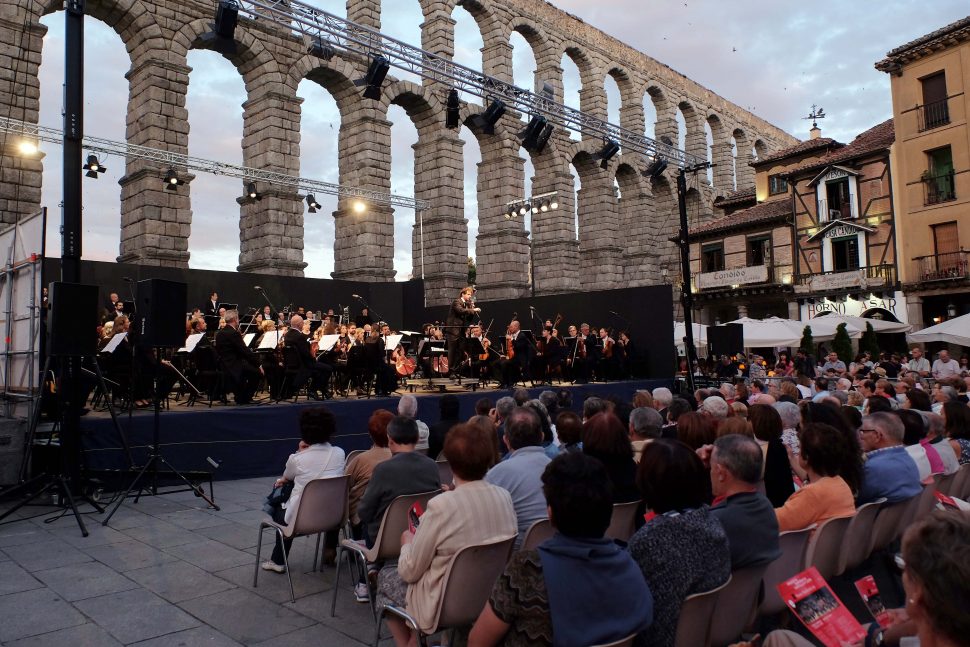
pixel 735 426
pixel 747 515
pixel 486 426
pixel 925 455
pixel 569 427
pixel 643 398
pixel 738 410
pixel 956 420
pixel 521 472
pixel 791 417
pixel 727 392
pixel 946 448
pixel 361 467
pixel 695 430
pixel 789 392
pixel 767 427
pixel 826 453
pixel 407 406
pixel 605 438
pixel 715 407
pixel 593 405
pixel 877 404
pixel 839 418
pixel 936 584
pixel 316 458
pixel 917 399
pixel 483 406
pixel 405 472
pixel 521 396
pixel 474 512
pixel 682 548
pixel 578 586
pixel 677 408
pixel 662 397
pixel 545 425
pixel 645 425
pixel 503 407
pixel 448 407
pixel 888 471
pixel 741 393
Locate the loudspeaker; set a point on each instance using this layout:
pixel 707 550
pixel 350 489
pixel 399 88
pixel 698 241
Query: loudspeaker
pixel 73 319
pixel 725 340
pixel 161 313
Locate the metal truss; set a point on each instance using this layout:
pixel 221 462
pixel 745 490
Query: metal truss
pixel 177 161
pixel 328 31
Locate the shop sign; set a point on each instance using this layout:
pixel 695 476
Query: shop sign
pixel 733 276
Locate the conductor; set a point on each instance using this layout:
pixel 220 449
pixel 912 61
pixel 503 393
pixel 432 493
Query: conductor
pixel 460 315
pixel 239 364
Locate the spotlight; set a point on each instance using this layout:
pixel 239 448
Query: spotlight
pixel 535 207
pixel 554 203
pixel 375 77
pixel 511 211
pixel 609 150
pixel 27 147
pixel 312 203
pixel 536 134
pixel 452 110
pixel 252 192
pixel 544 206
pixel 524 209
pixel 221 38
pixel 487 120
pixel 359 206
pixel 321 49
pixel 172 181
pixel 93 167
pixel 656 168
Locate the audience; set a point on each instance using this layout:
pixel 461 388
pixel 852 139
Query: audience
pixel 605 438
pixel 715 407
pixel 407 406
pixel 735 425
pixel 925 455
pixel 578 586
pixel 677 408
pixel 662 398
pixel 851 469
pixel 936 436
pixel 486 426
pixel 593 405
pixel 767 427
pixel 791 417
pixel 474 512
pixel 888 471
pixel 956 418
pixel 682 548
pixel 645 425
pixel 361 467
pixel 695 430
pixel 570 429
pixel 503 407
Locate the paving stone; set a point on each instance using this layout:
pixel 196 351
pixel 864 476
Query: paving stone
pixel 129 555
pixel 23 532
pixel 244 616
pixel 179 581
pixel 161 534
pixel 14 579
pixel 232 534
pixel 273 586
pixel 87 580
pixel 129 517
pixel 98 535
pixel 193 519
pixel 31 613
pixel 136 615
pixel 246 517
pixel 198 637
pixel 314 637
pixel 43 555
pixel 210 555
pixel 86 635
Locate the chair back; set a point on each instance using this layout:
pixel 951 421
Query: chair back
pixel 792 544
pixel 444 472
pixel 694 622
pixel 537 533
pixel 323 506
pixel 468 581
pixel 960 485
pixel 855 547
pixel 823 548
pixel 945 481
pixel 736 605
pixel 927 502
pixel 387 545
pixel 622 642
pixel 889 523
pixel 622 523
pixel 352 455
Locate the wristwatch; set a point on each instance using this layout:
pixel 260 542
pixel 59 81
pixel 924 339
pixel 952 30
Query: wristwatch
pixel 874 637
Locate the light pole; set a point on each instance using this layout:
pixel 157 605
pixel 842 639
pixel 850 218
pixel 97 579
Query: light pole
pixel 686 292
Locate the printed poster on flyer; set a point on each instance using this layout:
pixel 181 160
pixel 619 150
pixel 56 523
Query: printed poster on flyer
pixel 869 593
pixel 820 610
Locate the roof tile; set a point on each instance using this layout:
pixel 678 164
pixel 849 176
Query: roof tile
pixel 879 137
pixel 760 213
pixel 800 148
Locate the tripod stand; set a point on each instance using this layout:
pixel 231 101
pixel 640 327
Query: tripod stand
pixel 150 468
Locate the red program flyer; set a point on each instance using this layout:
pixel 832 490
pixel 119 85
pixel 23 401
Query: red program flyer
pixel 870 595
pixel 820 610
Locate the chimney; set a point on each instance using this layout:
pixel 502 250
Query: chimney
pixel 815 132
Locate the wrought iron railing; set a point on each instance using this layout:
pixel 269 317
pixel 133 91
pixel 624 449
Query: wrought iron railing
pixel 933 115
pixel 944 267
pixel 869 277
pixel 939 187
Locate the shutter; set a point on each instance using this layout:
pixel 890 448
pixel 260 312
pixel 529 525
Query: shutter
pixel 946 238
pixel 934 88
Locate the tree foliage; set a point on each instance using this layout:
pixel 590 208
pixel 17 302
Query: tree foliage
pixel 842 345
pixel 808 342
pixel 869 342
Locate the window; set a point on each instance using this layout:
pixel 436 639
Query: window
pixel 777 184
pixel 935 111
pixel 712 258
pixel 759 251
pixel 839 200
pixel 938 178
pixel 845 253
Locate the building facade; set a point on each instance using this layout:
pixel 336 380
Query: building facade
pixel 929 78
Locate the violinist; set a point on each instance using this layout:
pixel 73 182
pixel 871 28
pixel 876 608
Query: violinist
pixel 606 363
pixel 554 352
pixel 480 357
pixel 519 351
pixel 299 359
pixel 627 352
pixel 271 362
pixel 460 315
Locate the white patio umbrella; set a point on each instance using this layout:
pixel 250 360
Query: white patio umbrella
pixel 699 330
pixel 771 332
pixel 953 331
pixel 857 325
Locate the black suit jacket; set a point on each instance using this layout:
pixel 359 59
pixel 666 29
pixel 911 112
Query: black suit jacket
pixel 209 309
pixel 459 316
pixel 232 352
pixel 298 341
pixel 523 348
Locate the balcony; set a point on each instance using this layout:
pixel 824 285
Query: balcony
pixel 938 188
pixel 951 266
pixel 844 211
pixel 873 277
pixel 735 277
pixel 933 115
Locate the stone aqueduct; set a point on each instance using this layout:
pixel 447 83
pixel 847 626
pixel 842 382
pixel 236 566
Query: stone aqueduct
pixel 622 241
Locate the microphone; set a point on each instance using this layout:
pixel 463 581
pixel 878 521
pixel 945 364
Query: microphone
pixel 256 287
pixel 356 296
pixel 127 279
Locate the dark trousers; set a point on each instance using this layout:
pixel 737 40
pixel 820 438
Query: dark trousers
pixel 245 385
pixel 454 354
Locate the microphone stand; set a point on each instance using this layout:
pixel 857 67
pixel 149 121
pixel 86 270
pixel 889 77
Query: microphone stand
pixel 621 317
pixel 370 310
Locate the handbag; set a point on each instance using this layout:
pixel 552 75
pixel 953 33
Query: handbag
pixel 273 505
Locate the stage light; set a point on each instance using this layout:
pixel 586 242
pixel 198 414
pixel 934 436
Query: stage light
pixel 27 147
pixel 487 120
pixel 511 211
pixel 172 181
pixel 359 206
pixel 227 15
pixel 535 207
pixel 312 203
pixel 656 168
pixel 252 193
pixel 609 150
pixel 453 110
pixel 524 209
pixel 375 77
pixel 536 134
pixel 554 203
pixel 93 167
pixel 321 49
pixel 544 206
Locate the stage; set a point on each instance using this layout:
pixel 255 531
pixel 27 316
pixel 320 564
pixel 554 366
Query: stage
pixel 255 440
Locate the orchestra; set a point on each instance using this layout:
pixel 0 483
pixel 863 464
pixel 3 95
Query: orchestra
pixel 322 355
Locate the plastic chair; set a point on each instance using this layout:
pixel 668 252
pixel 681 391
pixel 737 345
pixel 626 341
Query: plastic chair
pixel 736 605
pixel 352 455
pixel 537 533
pixel 888 524
pixel 694 622
pixel 855 546
pixel 444 472
pixel 387 544
pixel 944 482
pixel 793 544
pixel 927 502
pixel 823 548
pixel 622 524
pixel 467 583
pixel 622 642
pixel 960 486
pixel 323 507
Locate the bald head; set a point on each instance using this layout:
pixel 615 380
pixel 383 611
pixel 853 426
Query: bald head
pixel 296 321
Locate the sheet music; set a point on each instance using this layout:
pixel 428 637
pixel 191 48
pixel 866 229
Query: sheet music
pixel 270 340
pixel 191 342
pixel 248 338
pixel 112 345
pixel 391 341
pixel 327 342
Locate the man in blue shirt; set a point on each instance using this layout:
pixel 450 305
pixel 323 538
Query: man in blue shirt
pixel 889 471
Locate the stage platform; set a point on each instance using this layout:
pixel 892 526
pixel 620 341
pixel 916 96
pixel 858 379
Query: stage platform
pixel 255 440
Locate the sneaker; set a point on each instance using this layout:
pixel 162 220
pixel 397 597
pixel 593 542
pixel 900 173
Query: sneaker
pixel 361 592
pixel 270 565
